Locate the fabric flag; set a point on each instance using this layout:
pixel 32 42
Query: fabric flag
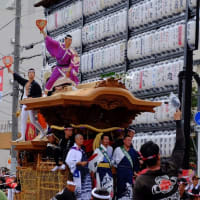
pixel 42 121
pixel 1 83
pixel 30 131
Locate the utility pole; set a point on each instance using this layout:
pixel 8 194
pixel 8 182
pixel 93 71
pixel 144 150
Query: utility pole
pixel 15 85
pixel 198 133
pixel 185 81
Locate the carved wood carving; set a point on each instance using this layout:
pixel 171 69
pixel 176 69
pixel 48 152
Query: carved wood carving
pixel 93 115
pixel 111 82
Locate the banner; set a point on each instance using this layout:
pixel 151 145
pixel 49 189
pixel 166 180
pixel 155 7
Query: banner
pixel 1 83
pixel 30 131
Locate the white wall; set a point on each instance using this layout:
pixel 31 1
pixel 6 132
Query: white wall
pixel 4 155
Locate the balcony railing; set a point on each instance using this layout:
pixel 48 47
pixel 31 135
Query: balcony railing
pixel 5 126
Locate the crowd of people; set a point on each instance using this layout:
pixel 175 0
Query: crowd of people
pixel 9 185
pixel 116 170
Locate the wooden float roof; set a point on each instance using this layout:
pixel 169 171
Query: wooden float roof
pixel 107 98
pixel 37 145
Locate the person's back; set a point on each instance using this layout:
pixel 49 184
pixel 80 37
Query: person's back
pixel 2 196
pixel 160 181
pixel 67 193
pixel 154 185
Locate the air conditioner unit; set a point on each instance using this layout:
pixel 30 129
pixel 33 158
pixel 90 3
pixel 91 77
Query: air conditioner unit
pixel 12 40
pixel 11 5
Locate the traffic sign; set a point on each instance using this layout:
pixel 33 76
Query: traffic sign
pixel 197 118
pixel 197 128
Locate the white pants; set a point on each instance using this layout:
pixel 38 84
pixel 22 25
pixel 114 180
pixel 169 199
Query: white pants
pixel 24 117
pixel 10 194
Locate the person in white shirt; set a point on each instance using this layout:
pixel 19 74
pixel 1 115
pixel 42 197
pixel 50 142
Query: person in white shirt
pixel 77 161
pixel 101 165
pixel 31 90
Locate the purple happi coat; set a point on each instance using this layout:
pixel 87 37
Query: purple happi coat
pixel 66 60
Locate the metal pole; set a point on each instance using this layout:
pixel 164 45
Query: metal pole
pixel 127 37
pixel 186 106
pixel 15 85
pixel 187 91
pixel 198 135
pixel 187 83
pixel 198 153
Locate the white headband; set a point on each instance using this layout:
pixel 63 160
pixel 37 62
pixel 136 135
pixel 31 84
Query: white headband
pixel 31 70
pixel 99 196
pixel 50 134
pixel 71 183
pixel 129 129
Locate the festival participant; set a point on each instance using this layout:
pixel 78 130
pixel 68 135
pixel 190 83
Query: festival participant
pixel 118 141
pixel 78 164
pixel 125 159
pixel 53 149
pixel 11 184
pixel 65 144
pixel 101 165
pixel 194 188
pixel 161 179
pixel 31 90
pixel 182 189
pixel 131 132
pixel 67 193
pixel 3 196
pixel 100 194
pixel 67 60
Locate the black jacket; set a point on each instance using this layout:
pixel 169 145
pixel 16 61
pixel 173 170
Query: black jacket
pixel 185 196
pixel 162 184
pixel 65 145
pixel 34 89
pixel 65 195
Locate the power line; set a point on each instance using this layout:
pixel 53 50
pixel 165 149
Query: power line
pixel 29 57
pixel 27 47
pixel 28 14
pixel 30 46
pixel 5 113
pixel 6 101
pixel 7 24
pixel 21 59
pixel 6 94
